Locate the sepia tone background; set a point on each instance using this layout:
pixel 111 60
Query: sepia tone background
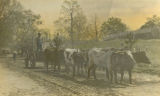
pixel 132 12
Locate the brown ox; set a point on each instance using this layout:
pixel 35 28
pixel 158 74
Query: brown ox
pixel 54 57
pixel 122 61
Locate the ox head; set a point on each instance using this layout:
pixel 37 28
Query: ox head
pixel 130 57
pixel 85 55
pixel 141 57
pixel 81 56
pixel 75 54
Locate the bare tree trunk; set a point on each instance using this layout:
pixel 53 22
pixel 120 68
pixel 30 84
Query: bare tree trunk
pixel 72 30
pixel 96 31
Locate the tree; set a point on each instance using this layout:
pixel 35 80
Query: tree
pixel 79 25
pixel 130 40
pixel 151 22
pixel 8 17
pixel 17 25
pixel 4 6
pixel 72 20
pixel 113 25
pixel 91 31
pixel 27 29
pixel 96 31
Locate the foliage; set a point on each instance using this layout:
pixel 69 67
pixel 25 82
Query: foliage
pixel 4 7
pixel 113 25
pixel 151 22
pixel 81 28
pixel 8 20
pixel 130 40
pixel 27 32
pixel 58 41
pixel 80 23
pixel 92 30
pixel 89 33
pixel 63 24
pixel 17 25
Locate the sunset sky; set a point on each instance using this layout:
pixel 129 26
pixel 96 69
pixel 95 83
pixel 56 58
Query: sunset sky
pixel 132 12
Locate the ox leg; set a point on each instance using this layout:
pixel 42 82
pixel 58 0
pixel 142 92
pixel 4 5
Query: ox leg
pixel 89 69
pixel 47 66
pixel 107 73
pixel 122 75
pixel 115 76
pixel 66 69
pixel 82 70
pixel 55 67
pixel 59 67
pixel 85 68
pixel 130 76
pixel 52 65
pixel 110 75
pixel 78 68
pixel 26 63
pixel 94 72
pixel 74 69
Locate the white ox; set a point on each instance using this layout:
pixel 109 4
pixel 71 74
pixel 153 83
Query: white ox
pixel 99 57
pixel 69 62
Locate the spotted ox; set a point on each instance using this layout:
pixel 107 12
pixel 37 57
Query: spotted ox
pixel 76 60
pixel 68 58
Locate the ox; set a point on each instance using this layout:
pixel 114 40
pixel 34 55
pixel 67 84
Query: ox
pixel 99 57
pixel 55 57
pixel 75 59
pixel 120 62
pixel 68 58
pixel 141 57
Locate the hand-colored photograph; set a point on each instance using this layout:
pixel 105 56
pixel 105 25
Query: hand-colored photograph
pixel 79 47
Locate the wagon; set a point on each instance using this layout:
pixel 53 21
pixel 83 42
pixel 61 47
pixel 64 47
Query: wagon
pixel 47 57
pixel 33 56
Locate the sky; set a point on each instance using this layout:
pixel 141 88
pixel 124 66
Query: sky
pixel 132 12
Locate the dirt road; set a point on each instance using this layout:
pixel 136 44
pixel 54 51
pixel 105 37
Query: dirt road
pixel 14 83
pixel 17 81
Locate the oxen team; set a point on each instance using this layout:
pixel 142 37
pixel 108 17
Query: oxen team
pixel 86 61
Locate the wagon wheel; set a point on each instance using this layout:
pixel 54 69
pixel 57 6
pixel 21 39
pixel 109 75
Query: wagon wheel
pixel 33 63
pixel 26 62
pixel 33 60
